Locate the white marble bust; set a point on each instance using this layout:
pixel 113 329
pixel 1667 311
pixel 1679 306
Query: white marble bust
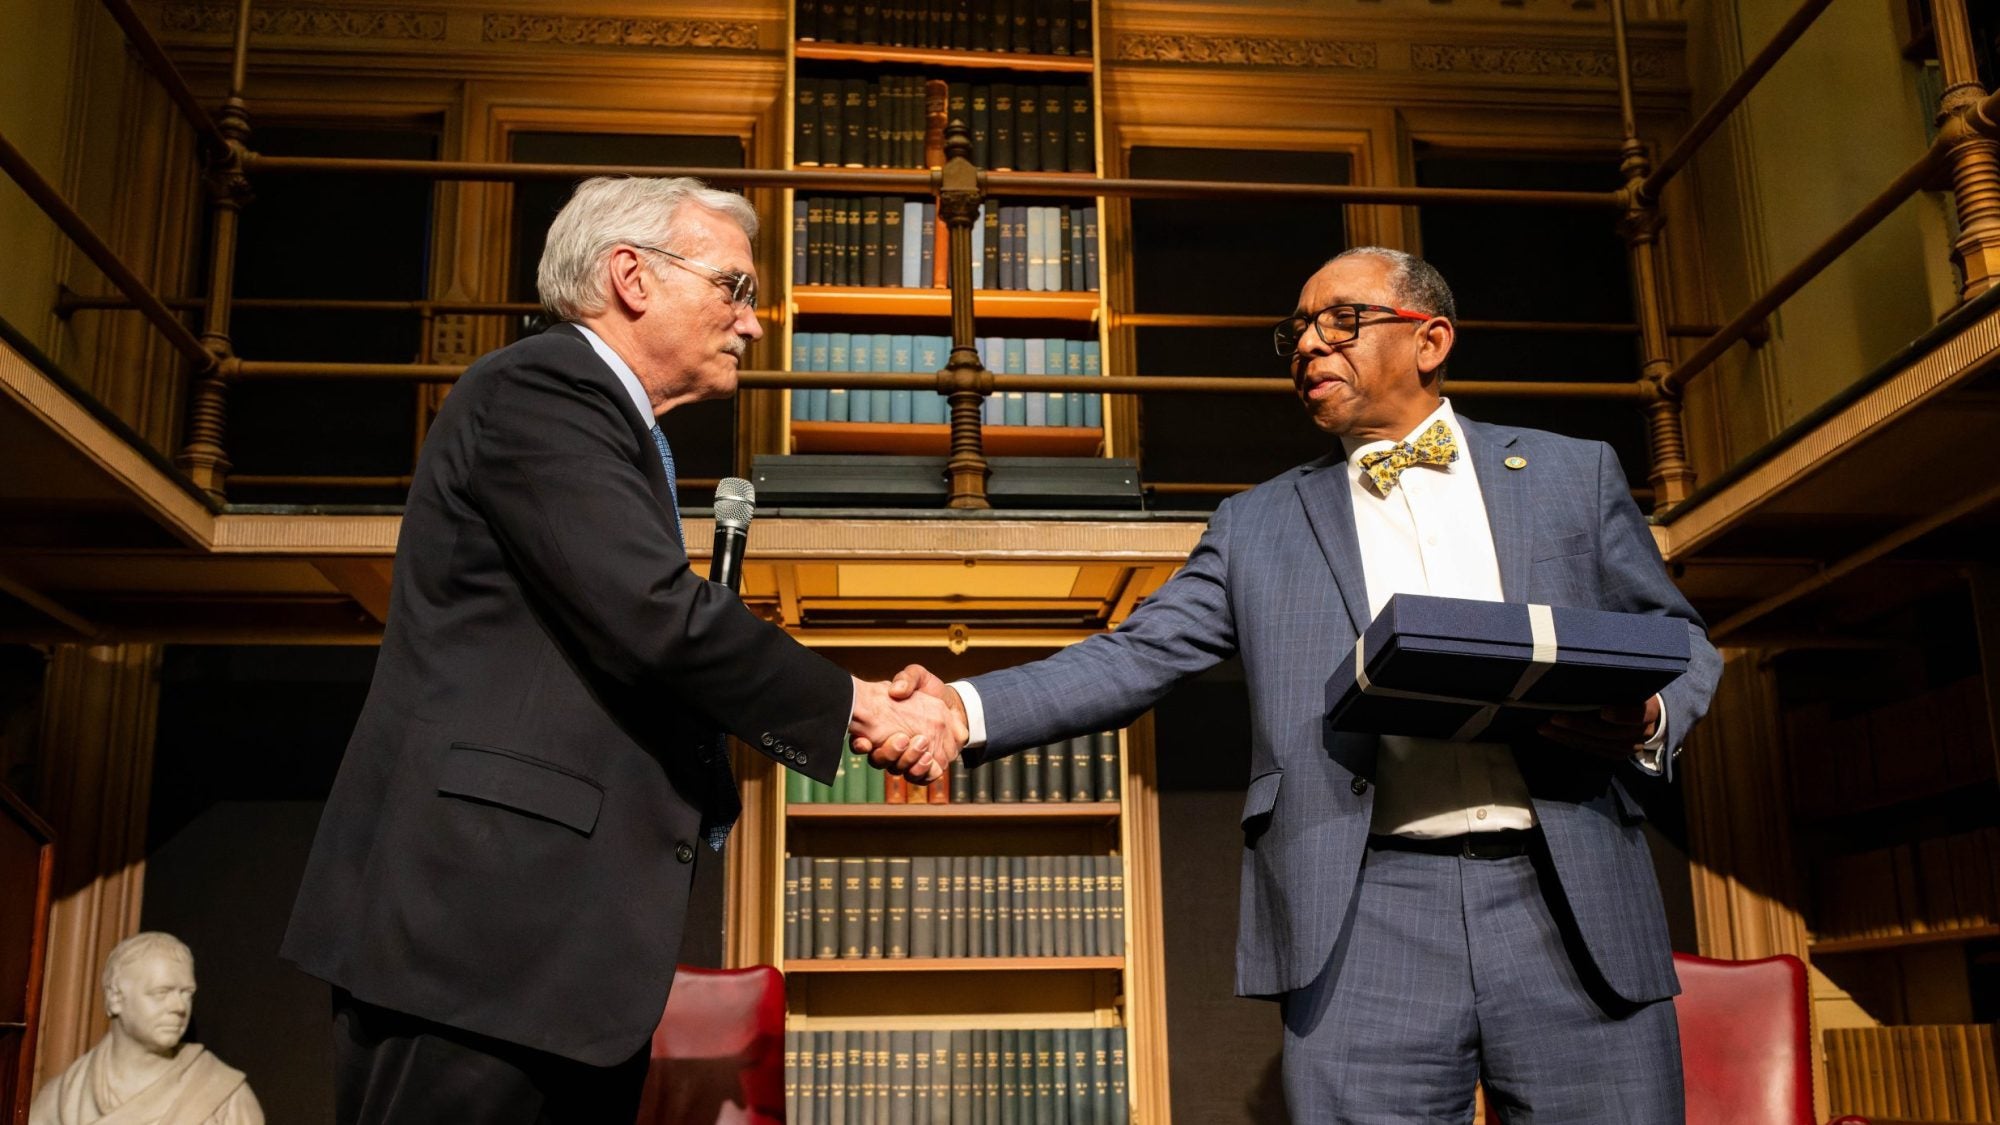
pixel 141 1073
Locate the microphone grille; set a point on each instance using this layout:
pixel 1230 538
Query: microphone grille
pixel 735 501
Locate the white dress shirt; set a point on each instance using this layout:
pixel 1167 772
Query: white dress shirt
pixel 1428 535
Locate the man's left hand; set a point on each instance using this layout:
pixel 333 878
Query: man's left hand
pixel 1613 732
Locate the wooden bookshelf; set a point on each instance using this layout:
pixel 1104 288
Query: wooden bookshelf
pixel 1903 941
pixel 1005 811
pixel 944 57
pixel 913 440
pixel 952 964
pixel 996 304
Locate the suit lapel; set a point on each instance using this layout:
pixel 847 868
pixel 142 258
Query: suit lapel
pixel 1505 492
pixel 1323 490
pixel 642 428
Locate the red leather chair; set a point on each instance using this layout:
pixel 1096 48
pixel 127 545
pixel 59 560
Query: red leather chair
pixel 719 1052
pixel 1746 1042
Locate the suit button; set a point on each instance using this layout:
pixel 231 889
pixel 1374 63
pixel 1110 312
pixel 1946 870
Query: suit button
pixel 1359 785
pixel 768 740
pixel 800 757
pixel 685 853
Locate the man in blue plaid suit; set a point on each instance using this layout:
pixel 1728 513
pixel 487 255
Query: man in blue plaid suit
pixel 1428 914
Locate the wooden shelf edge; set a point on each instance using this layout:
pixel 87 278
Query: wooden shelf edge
pixel 998 304
pixel 1902 941
pixel 952 964
pixel 944 56
pixel 1057 810
pixel 932 440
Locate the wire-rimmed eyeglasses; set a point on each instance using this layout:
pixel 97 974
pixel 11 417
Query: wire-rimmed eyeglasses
pixel 1336 324
pixel 741 286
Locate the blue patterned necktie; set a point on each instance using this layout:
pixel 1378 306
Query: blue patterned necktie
pixel 723 805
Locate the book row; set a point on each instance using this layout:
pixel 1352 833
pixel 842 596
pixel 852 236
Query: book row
pixel 1850 759
pixel 960 1076
pixel 1039 27
pixel 844 351
pixel 894 907
pixel 1939 883
pixel 878 241
pixel 1084 768
pixel 898 121
pixel 1924 1073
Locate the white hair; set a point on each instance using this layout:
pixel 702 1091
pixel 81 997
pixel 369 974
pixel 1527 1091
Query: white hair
pixel 139 946
pixel 612 211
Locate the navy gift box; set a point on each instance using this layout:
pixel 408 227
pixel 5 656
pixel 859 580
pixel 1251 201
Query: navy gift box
pixel 1467 670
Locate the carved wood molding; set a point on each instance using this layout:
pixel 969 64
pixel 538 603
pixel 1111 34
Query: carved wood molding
pixel 1523 59
pixel 300 21
pixel 1243 50
pixel 618 31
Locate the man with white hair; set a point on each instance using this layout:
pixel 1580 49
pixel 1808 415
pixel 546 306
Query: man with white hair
pixel 141 1073
pixel 501 876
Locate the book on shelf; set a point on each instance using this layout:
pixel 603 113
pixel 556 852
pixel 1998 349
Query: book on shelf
pixel 1937 884
pixel 984 906
pixel 866 241
pixel 950 1076
pixel 1060 28
pixel 1926 1072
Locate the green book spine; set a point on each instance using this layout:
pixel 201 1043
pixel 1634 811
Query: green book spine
pixel 853 905
pixel 1055 130
pixel 826 907
pixel 896 936
pixel 822 1076
pixel 941 1091
pixel 856 780
pixel 979 1037
pixel 989 905
pixel 798 787
pixel 1017 911
pixel 1031 772
pixel 792 1072
pixel 961 1077
pixel 982 784
pixel 1078 924
pixel 961 907
pixel 1055 771
pixel 1006 779
pixel 875 912
pixel 1100 1074
pixel 880 1095
pixel 877 784
pixel 920 1077
pixel 1003 907
pixel 923 906
pixel 975 908
pixel 961 785
pixel 1010 1077
pixel 1082 767
pixel 1102 910
pixel 1108 788
pixel 1121 1104
pixel 1045 1076
pixel 1116 879
pixel 1031 908
pixel 1089 920
pixel 857 1077
pixel 1079 1074
pixel 836 1080
pixel 791 906
pixel 990 1088
pixel 1049 883
pixel 902 1078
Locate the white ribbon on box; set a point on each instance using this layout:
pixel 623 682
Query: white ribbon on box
pixel 1542 657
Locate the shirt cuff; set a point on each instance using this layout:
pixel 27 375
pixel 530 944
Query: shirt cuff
pixel 1652 753
pixel 975 713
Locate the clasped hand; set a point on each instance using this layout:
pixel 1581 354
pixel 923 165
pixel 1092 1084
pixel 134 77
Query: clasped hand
pixel 913 725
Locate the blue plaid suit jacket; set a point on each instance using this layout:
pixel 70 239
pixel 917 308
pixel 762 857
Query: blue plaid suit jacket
pixel 1277 578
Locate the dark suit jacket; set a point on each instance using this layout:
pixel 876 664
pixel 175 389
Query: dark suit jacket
pixel 509 845
pixel 1277 577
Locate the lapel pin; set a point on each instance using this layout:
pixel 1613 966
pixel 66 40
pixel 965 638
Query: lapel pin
pixel 1516 462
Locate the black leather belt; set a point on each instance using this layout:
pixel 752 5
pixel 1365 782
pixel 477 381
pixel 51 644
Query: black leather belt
pixel 1505 843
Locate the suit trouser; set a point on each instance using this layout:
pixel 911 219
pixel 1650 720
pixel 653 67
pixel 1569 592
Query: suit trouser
pixel 1452 969
pixel 396 1069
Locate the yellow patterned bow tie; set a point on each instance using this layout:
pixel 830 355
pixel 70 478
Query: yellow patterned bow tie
pixel 1435 446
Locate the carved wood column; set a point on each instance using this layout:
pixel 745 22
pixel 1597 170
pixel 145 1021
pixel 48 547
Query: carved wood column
pixel 100 711
pixel 1975 159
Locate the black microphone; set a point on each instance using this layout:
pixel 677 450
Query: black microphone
pixel 735 503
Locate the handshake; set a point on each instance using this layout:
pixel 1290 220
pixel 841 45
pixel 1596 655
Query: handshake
pixel 913 725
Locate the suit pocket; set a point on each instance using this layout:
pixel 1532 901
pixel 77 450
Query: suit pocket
pixel 1258 803
pixel 522 783
pixel 1562 546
